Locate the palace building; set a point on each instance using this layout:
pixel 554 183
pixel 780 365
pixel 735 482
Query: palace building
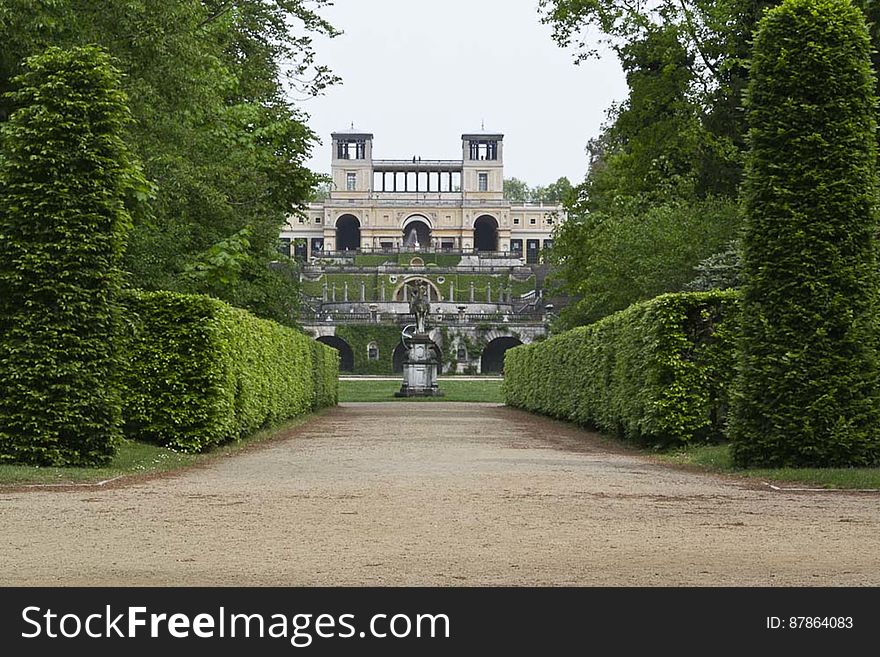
pixel 417 204
pixel 388 227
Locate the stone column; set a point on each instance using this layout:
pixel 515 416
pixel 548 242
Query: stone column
pixel 405 295
pixel 333 292
pixel 472 291
pixel 324 292
pixel 488 292
pixel 382 292
pixel 345 291
pixel 451 291
pixel 363 292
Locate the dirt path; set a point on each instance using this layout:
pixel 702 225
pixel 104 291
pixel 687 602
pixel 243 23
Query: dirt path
pixel 438 494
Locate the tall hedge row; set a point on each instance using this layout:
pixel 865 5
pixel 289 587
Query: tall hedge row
pixel 64 172
pixel 656 372
pixel 807 394
pixel 201 372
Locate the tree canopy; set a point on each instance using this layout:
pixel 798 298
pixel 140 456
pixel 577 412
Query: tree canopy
pixel 518 191
pixel 218 138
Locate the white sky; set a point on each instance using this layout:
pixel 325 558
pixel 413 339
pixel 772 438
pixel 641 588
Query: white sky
pixel 419 73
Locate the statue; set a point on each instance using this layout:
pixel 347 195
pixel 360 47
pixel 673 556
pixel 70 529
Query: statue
pixel 419 306
pixel 420 366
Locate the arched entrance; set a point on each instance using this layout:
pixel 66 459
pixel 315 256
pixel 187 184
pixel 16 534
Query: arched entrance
pixel 492 359
pixel 411 283
pixel 486 233
pixel 397 358
pixel 346 355
pixel 416 233
pixel 348 233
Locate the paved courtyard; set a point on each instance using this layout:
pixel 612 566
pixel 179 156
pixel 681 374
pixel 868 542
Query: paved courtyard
pixel 438 494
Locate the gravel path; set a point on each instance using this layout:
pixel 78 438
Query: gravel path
pixel 438 494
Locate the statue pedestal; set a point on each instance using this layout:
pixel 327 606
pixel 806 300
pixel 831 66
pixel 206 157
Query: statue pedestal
pixel 420 369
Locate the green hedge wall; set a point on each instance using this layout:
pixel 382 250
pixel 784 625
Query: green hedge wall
pixel 656 372
pixel 808 392
pixel 200 372
pixel 64 175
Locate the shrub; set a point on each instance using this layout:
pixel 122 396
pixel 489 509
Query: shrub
pixel 656 372
pixel 201 372
pixel 807 392
pixel 64 173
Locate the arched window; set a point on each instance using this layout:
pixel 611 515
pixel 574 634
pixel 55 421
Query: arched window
pixel 372 351
pixel 461 353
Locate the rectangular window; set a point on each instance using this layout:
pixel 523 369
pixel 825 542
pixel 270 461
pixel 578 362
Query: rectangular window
pixel 516 246
pixel 516 221
pixel 350 181
pixel 300 248
pixel 302 220
pixel 284 246
pixel 550 220
pixel 532 221
pixel 483 179
pixel 317 246
pixel 531 251
pixel 317 220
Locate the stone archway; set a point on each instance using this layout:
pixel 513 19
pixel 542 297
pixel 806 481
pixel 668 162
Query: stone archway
pixel 486 233
pixel 492 359
pixel 433 291
pixel 346 355
pixel 397 358
pixel 348 233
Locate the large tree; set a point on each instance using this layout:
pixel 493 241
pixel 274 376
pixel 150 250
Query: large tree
pixel 610 260
pixel 221 144
pixel 807 387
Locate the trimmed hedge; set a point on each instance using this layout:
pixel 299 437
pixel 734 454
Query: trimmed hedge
pixel 64 173
pixel 808 393
pixel 201 372
pixel 658 371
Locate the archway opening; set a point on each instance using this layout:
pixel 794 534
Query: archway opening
pixel 346 355
pixel 486 233
pixel 411 284
pixel 397 358
pixel 492 359
pixel 417 235
pixel 348 233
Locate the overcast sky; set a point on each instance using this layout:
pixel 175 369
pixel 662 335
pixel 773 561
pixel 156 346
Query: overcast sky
pixel 419 73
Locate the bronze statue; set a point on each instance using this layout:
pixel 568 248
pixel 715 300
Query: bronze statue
pixel 419 306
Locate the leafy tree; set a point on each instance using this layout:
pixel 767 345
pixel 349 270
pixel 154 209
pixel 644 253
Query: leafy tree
pixel 720 271
pixel 556 192
pixel 64 177
pixel 222 146
pixel 612 260
pixel 516 190
pixel 807 387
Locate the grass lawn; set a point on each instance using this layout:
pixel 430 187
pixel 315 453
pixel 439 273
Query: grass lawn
pixel 716 458
pixel 458 391
pixel 132 459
